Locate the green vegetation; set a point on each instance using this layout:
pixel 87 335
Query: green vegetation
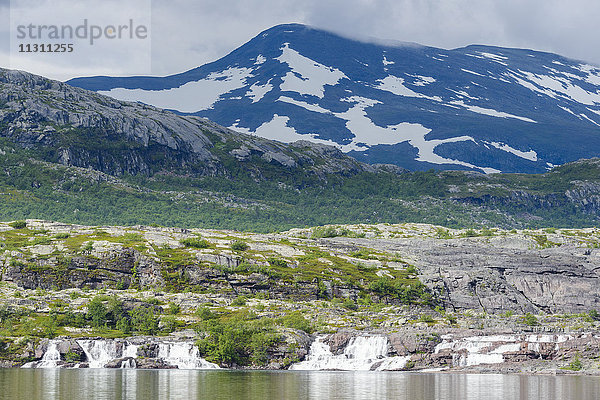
pixel 408 292
pixel 238 338
pixel 574 365
pixel 296 320
pixel 239 301
pixel 238 245
pixel 34 189
pixel 530 320
pixel 195 243
pixel 109 313
pixel 18 224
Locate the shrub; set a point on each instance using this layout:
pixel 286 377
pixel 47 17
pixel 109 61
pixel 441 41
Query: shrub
pixel 123 325
pixel 62 235
pixel 427 319
pixel 205 314
pixel 238 339
pixel 574 365
pixel 442 233
pixel 72 357
pixel 530 320
pixel 174 309
pixel 115 310
pixel 196 243
pixel 18 224
pixel 143 320
pixel 97 313
pixel 169 323
pixel 277 262
pixel 296 320
pixel 407 293
pixel 362 253
pixel 470 233
pixel 239 301
pixel 350 305
pixel 238 245
pixel 324 232
pixel 487 232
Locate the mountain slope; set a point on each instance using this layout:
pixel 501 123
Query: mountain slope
pixel 76 156
pixel 75 127
pixel 484 108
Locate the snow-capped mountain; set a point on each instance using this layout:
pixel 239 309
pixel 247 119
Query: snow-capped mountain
pixel 484 108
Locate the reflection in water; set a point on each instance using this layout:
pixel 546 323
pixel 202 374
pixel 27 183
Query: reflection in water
pixel 128 384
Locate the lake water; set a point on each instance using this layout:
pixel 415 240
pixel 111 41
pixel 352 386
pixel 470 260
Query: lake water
pixel 290 385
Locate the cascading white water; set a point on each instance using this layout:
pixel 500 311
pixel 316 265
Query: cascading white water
pixel 130 350
pixel 100 352
pixel 184 355
pixel 128 364
pixel 50 359
pixel 477 350
pixel 393 363
pixel 363 353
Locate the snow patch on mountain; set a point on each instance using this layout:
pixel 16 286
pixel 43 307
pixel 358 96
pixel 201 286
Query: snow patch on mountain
pixel 395 85
pixel 190 97
pixel 462 93
pixel 366 133
pixel 257 91
pixel 494 57
pixel 422 80
pixel 489 111
pixel 555 85
pixel 427 151
pixel 278 129
pixel 527 155
pixel 260 59
pixel 468 71
pixel 593 74
pixel 386 62
pixel 303 104
pixel 306 76
pixel 589 119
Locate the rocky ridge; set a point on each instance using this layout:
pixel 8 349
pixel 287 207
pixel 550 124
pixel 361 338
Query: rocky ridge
pixel 76 127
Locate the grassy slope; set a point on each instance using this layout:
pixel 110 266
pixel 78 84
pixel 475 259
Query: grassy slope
pixel 31 189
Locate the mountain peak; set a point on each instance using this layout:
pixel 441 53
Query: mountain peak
pixel 482 108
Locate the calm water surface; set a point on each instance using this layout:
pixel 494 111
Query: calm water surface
pixel 317 385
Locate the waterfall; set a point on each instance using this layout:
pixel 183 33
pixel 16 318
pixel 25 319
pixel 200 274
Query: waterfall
pixel 123 354
pixel 51 358
pixel 363 353
pixel 130 350
pixel 99 352
pixel 478 350
pixel 184 355
pixel 128 363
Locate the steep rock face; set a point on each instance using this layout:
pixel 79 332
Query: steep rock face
pixel 499 274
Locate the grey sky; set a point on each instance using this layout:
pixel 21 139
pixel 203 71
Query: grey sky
pixel 187 33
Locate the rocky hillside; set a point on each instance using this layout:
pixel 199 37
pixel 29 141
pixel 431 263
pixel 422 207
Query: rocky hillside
pixel 413 296
pixel 75 127
pixel 492 271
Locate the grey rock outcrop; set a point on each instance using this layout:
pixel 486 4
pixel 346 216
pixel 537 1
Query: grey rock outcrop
pixel 498 274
